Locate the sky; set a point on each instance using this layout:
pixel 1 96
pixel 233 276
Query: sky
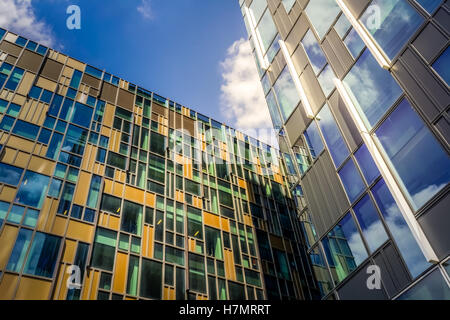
pixel 194 52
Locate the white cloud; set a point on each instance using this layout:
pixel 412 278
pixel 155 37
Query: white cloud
pixel 18 16
pixel 242 98
pixel 145 9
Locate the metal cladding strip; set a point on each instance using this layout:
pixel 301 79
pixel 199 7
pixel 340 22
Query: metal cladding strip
pixel 256 40
pixel 295 78
pixel 391 183
pixel 366 38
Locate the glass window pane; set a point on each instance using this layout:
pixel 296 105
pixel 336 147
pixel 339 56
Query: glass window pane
pixel 429 5
pixel 314 140
pixel 314 52
pixel 288 4
pixel 104 249
pixel 373 89
pixel 266 30
pixel 197 279
pixel 338 149
pixel 19 252
pixel 287 95
pixel 257 8
pixel 326 80
pixel 342 26
pixel 367 165
pixel 10 174
pixel 419 160
pixel 370 223
pixel 322 14
pixel 132 218
pixel 33 189
pixel 399 20
pixel 442 66
pixel 344 248
pixel 273 110
pixel 44 251
pixel 409 249
pixel 151 279
pixel 432 287
pixel 351 180
pixel 213 243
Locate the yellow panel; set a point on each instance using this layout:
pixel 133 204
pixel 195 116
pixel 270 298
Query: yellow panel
pixel 225 224
pixel 48 214
pixel 87 285
pixel 8 287
pixel 22 159
pixel 120 272
pixel 242 183
pixel 59 227
pixel 102 218
pixel 7 194
pixel 114 222
pixel 82 191
pixel 191 244
pixel 68 72
pixel 25 145
pixel 211 220
pixel 230 271
pixel 46 84
pixel 130 298
pixel 108 186
pixel 248 220
pixel 7 240
pixel 108 117
pixel 33 289
pixel 147 242
pixel 118 189
pixel 80 231
pixel 150 199
pixel 69 251
pixel 106 131
pixel 26 83
pixel 40 165
pixel 134 194
pixel 179 196
pixel 165 293
pixel 95 285
pixel 18 99
pixel 60 285
pixel 9 155
pixel 76 64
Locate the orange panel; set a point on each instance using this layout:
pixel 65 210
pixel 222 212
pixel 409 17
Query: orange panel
pixel 120 273
pixel 118 187
pixel 25 145
pixel 191 244
pixel 147 242
pixel 8 194
pixel 242 183
pixel 230 271
pixel 134 194
pixel 80 231
pixel 84 180
pixel 7 240
pixel 8 286
pixel 108 115
pixel 33 289
pixel 40 165
pixel 114 222
pixel 211 220
pixel 59 227
pixel 150 199
pixel 69 251
pixel 248 220
pixel 95 285
pixel 61 284
pixel 108 186
pixel 225 224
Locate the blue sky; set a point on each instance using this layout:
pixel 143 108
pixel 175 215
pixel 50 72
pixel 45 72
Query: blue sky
pixel 191 51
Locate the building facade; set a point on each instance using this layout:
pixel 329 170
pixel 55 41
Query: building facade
pixel 110 191
pixel 358 91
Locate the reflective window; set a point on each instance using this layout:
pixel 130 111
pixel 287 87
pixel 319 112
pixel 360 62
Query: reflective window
pixel 213 243
pixel 197 280
pixel 132 218
pixel 344 248
pixel 75 140
pixel 419 160
pixel 432 287
pixel 429 5
pixel 442 66
pixel 10 174
pixel 367 165
pixel 33 189
pixel 342 26
pixel 151 279
pixel 326 80
pixel 352 180
pixel 288 4
pixel 273 110
pixel 82 115
pixel 336 145
pixel 354 43
pixel 314 140
pixel 267 30
pixel 14 79
pixel 257 8
pixel 287 95
pixel 41 260
pixel 322 14
pixel 370 223
pixel 409 249
pixel 314 52
pixel 104 249
pixel 373 89
pixel 320 270
pixel 399 20
pixel 26 130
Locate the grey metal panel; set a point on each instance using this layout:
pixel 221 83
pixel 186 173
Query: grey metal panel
pixel 393 272
pixel 310 188
pixel 340 50
pixel 444 129
pixel 298 31
pixel 300 59
pixel 332 58
pixel 356 6
pixel 282 21
pixel 436 225
pixel 344 120
pixel 312 89
pixel 430 42
pixel 356 287
pixel 443 18
pixel 295 125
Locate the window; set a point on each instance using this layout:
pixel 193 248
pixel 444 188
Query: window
pixel 351 179
pixel 237 291
pixel 314 140
pixel 192 187
pixel 156 168
pixel 213 243
pixel 322 14
pixel 418 159
pixel 174 255
pixel 26 130
pixel 432 287
pixel 286 93
pixel 158 143
pixel 314 52
pixel 94 191
pixel 41 259
pixel 367 165
pixel 197 281
pixel 354 43
pixel 132 218
pixel 344 248
pixel 288 4
pixel 442 66
pixel 326 80
pixel 75 140
pixel 66 198
pixel 14 79
pixel 257 8
pixel 281 264
pixel 10 174
pixel 267 30
pixel 342 26
pixel 273 110
pixel 117 160
pixel 406 243
pixel 373 89
pixel 151 279
pixel 195 222
pixel 371 225
pixel 336 144
pixel 82 115
pixel 32 189
pixel 104 249
pixel 399 21
pixel 3 211
pixel 110 204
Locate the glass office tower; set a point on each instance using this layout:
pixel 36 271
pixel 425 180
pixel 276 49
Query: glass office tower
pixel 110 191
pixel 358 92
